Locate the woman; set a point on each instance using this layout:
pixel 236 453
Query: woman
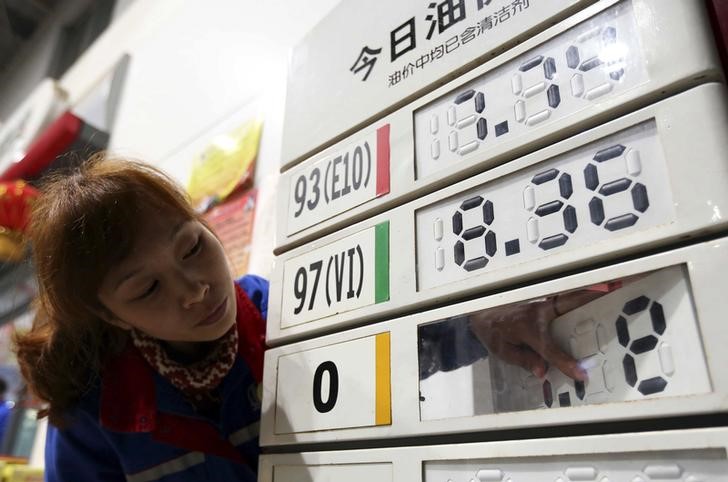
pixel 148 354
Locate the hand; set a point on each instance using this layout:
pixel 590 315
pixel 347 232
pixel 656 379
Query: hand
pixel 519 333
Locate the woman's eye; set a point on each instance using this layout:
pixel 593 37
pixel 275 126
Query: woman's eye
pixel 149 291
pixel 195 249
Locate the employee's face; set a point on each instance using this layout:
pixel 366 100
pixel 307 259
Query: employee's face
pixel 175 285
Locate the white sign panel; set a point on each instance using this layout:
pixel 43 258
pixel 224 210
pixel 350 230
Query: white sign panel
pixel 346 179
pixel 610 191
pixel 342 276
pixel 341 385
pixel 668 455
pixel 378 53
pixel 601 63
pixel 639 339
pixel 330 473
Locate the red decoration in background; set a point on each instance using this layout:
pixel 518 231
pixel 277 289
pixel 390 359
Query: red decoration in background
pixel 16 199
pixel 54 141
pixel 15 204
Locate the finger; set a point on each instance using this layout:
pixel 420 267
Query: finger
pixel 543 344
pixel 567 364
pixel 522 356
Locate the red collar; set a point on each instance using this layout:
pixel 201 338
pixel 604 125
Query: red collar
pixel 128 394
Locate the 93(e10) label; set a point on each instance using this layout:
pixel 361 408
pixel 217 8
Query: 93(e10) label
pixel 343 385
pixel 342 276
pixel 341 181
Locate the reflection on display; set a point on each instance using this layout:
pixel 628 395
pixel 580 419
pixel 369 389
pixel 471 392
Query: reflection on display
pixel 628 340
pixel 581 67
pixel 594 193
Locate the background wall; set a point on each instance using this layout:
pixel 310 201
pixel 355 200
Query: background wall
pixel 198 68
pixel 32 62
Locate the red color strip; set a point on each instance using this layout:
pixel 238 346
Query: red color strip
pixel 383 160
pixel 251 333
pixel 50 144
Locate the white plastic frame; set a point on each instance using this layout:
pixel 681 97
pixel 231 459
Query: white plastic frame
pixel 669 71
pixel 694 214
pixel 705 263
pixel 406 464
pixel 320 84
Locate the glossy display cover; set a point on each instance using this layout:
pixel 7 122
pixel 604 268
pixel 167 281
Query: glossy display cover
pixel 637 339
pixel 595 66
pixel 611 191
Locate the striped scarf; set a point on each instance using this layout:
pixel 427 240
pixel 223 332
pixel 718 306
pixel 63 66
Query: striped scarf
pixel 195 380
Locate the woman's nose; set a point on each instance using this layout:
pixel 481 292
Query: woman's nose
pixel 194 292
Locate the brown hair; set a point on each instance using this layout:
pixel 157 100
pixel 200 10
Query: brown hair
pixel 82 224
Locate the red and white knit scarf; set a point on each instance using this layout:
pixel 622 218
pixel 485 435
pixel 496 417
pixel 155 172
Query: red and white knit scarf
pixel 195 380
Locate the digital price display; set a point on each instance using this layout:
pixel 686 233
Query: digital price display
pixel 602 63
pixel 697 455
pixel 425 235
pixel 587 196
pixel 610 191
pixel 693 466
pixel 636 342
pixel 642 338
pixel 551 82
pixel 379 52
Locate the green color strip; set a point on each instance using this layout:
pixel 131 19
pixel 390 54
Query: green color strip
pixel 381 262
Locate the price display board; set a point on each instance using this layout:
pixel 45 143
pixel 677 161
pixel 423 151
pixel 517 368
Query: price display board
pixel 684 456
pixel 642 338
pixel 621 342
pixel 603 62
pixel 608 192
pixel 369 56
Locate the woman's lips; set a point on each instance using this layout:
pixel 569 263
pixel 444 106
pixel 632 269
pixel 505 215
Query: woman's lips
pixel 216 314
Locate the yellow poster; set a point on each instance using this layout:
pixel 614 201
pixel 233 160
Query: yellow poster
pixel 228 162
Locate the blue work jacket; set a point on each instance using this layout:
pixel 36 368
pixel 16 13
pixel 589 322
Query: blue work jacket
pixel 135 425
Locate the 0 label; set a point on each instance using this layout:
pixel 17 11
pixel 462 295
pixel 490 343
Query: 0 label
pixel 343 385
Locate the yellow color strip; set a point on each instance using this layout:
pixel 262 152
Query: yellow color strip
pixel 383 414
